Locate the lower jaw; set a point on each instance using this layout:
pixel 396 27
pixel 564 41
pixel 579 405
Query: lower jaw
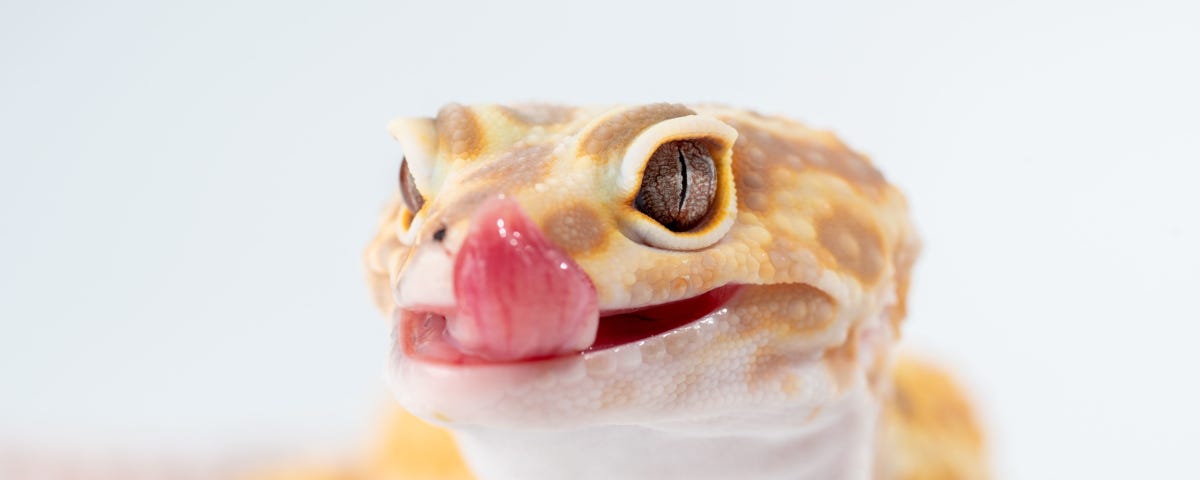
pixel 549 393
pixel 422 336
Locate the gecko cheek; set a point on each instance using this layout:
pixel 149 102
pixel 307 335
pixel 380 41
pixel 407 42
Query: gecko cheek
pixel 519 295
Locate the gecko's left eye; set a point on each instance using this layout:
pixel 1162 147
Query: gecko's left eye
pixel 678 185
pixel 408 189
pixel 412 199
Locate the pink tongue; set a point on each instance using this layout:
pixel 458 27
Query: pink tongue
pixel 519 295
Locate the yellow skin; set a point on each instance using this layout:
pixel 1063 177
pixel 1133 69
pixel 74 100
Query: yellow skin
pixel 821 243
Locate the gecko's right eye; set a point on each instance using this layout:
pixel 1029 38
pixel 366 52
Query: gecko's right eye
pixel 408 189
pixel 675 184
pixel 679 185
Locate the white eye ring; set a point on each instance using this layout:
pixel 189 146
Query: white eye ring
pixel 418 138
pixel 723 213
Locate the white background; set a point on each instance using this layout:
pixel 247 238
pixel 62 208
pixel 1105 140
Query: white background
pixel 186 190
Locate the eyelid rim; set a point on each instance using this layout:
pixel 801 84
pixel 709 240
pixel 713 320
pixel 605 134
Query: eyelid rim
pixel 633 164
pixel 641 227
pixel 418 139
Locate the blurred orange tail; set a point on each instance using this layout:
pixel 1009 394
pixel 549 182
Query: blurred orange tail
pixel 410 449
pixel 929 429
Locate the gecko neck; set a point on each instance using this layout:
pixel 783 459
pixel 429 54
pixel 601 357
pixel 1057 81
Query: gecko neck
pixel 838 443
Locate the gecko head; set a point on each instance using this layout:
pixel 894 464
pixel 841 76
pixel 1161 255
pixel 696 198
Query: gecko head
pixel 560 267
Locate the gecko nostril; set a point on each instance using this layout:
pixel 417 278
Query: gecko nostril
pixel 439 235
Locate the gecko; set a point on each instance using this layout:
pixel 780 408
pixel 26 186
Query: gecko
pixel 650 292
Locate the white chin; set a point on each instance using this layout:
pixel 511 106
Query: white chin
pixel 692 377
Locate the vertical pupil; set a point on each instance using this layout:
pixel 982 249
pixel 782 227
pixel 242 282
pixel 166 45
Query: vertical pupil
pixel 683 177
pixel 408 189
pixel 678 185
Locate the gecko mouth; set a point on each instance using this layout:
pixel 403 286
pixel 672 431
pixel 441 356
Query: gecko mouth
pixel 422 334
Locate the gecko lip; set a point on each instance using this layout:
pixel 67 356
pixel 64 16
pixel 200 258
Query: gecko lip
pixel 421 333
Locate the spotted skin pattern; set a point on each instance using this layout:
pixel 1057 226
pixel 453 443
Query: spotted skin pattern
pixel 820 242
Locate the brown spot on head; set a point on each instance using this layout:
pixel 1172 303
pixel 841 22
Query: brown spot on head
pixel 759 148
pixel 854 243
pixel 576 228
pixel 459 132
pixel 845 163
pixel 615 132
pixel 538 113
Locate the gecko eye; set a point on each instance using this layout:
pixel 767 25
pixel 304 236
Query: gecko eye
pixel 408 189
pixel 675 184
pixel 678 185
